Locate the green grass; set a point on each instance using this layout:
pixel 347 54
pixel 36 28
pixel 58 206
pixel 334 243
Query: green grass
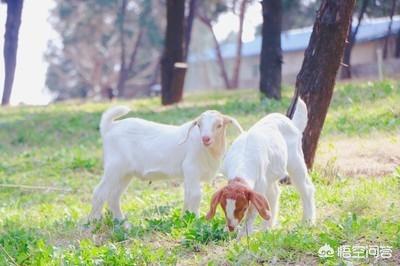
pixel 59 146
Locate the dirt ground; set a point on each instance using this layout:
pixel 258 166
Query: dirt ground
pixel 377 155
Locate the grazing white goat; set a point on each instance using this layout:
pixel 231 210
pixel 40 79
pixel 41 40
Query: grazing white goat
pixel 150 151
pixel 255 163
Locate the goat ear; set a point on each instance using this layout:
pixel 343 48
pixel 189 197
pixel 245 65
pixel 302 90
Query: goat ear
pixel 261 204
pixel 193 124
pixel 216 198
pixel 230 120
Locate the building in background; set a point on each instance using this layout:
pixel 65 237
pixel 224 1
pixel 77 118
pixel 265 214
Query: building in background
pixel 203 71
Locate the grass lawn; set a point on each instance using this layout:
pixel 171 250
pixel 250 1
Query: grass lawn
pixel 357 178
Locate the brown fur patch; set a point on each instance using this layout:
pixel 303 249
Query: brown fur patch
pixel 238 190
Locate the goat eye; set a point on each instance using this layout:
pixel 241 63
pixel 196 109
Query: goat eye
pixel 219 126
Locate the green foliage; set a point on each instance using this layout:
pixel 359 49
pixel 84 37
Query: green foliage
pixel 214 9
pixel 85 63
pixel 193 231
pixel 59 146
pixel 18 242
pixel 202 232
pixel 166 223
pixel 378 8
pixel 299 14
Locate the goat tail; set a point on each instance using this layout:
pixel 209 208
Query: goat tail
pixel 300 115
pixel 108 117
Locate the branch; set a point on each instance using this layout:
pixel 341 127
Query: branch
pixel 360 17
pixel 145 71
pixel 207 22
pixel 189 25
pixel 79 63
pixel 239 44
pixel 122 33
pixel 8 255
pixel 34 187
pixel 135 50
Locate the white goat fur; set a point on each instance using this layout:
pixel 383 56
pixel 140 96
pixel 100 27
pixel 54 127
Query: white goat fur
pixel 267 152
pixel 150 151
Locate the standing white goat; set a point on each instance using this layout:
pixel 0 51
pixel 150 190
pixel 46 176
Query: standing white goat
pixel 255 163
pixel 150 151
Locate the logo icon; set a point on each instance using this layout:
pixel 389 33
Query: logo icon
pixel 326 251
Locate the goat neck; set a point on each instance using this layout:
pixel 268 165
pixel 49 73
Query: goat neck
pixel 238 181
pixel 218 147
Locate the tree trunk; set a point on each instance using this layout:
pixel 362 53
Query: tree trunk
pixel 316 79
pixel 239 44
pixel 220 59
pixel 271 51
pixel 173 52
pixel 351 38
pixel 14 11
pixel 122 71
pixel 178 80
pixel 386 44
pixel 397 51
pixel 189 25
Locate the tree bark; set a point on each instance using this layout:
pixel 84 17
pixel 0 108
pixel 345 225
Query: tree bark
pixel 173 52
pixel 386 44
pixel 239 45
pixel 189 26
pixel 178 80
pixel 397 51
pixel 271 51
pixel 351 38
pixel 316 80
pixel 220 59
pixel 13 23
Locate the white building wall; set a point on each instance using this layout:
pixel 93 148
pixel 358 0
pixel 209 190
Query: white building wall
pixel 205 75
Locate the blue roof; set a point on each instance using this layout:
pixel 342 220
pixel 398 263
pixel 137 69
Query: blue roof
pixel 297 39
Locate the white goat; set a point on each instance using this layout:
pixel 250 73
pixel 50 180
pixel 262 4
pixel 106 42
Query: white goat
pixel 150 151
pixel 255 163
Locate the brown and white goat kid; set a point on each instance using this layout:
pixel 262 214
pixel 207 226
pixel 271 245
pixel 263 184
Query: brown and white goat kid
pixel 150 151
pixel 255 163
